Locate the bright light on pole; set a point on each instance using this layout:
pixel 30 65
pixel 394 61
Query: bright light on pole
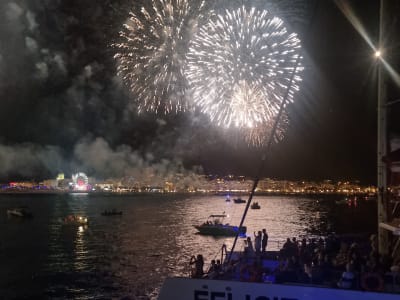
pixel 378 53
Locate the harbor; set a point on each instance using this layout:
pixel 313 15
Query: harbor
pixel 109 256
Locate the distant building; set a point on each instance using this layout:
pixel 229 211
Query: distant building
pixel 50 183
pixel 22 185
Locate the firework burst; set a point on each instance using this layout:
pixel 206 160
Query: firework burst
pixel 239 69
pixel 152 51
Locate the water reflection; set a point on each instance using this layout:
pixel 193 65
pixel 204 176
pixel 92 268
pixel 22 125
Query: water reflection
pixel 115 256
pixel 80 249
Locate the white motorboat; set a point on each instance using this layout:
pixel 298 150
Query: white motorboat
pixel 215 226
pixel 20 212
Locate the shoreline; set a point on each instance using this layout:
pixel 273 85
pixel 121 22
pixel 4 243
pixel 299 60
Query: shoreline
pixel 222 194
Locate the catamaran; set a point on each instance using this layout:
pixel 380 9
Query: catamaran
pixel 230 284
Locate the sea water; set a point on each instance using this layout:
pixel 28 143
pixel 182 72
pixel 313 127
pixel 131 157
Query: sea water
pixel 129 256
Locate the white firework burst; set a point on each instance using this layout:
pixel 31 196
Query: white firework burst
pixel 239 68
pixel 152 52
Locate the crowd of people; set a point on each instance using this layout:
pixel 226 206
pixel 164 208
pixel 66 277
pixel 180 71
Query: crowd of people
pixel 329 261
pixel 338 263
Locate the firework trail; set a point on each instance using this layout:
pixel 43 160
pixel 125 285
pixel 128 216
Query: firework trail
pixel 152 52
pixel 258 136
pixel 239 67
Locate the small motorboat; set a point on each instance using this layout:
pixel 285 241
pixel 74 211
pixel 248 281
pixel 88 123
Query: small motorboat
pixel 113 212
pixel 239 200
pixel 214 226
pixel 20 212
pixel 255 205
pixel 74 220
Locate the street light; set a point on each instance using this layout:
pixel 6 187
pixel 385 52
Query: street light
pixel 378 53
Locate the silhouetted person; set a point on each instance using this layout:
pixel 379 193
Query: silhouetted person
pixel 287 249
pixel 264 241
pixel 248 249
pixel 212 271
pixel 347 281
pixel 218 266
pixel 199 264
pixel 257 241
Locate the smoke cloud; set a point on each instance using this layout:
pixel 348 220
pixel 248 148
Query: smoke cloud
pixel 96 158
pixel 29 160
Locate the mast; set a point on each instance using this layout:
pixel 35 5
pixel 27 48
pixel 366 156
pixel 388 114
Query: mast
pixel 383 234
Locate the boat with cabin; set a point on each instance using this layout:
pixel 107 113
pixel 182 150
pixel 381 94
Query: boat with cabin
pixel 255 205
pixel 215 226
pixel 239 200
pixel 112 212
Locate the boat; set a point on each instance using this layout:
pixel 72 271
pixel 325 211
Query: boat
pixel 228 199
pixel 235 281
pixel 207 289
pixel 74 220
pixel 349 201
pixel 111 213
pixel 215 226
pixel 239 200
pixel 255 205
pixel 20 212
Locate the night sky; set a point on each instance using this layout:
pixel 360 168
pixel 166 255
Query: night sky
pixel 64 109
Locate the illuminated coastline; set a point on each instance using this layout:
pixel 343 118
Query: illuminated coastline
pixel 202 184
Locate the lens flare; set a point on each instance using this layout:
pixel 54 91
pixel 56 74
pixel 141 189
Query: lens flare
pixel 152 51
pixel 239 67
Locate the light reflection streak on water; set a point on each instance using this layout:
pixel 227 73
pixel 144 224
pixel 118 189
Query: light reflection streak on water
pixel 80 249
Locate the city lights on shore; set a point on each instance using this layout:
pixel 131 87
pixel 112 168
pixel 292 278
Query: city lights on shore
pixel 199 184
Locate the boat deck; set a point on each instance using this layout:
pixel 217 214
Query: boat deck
pixel 269 268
